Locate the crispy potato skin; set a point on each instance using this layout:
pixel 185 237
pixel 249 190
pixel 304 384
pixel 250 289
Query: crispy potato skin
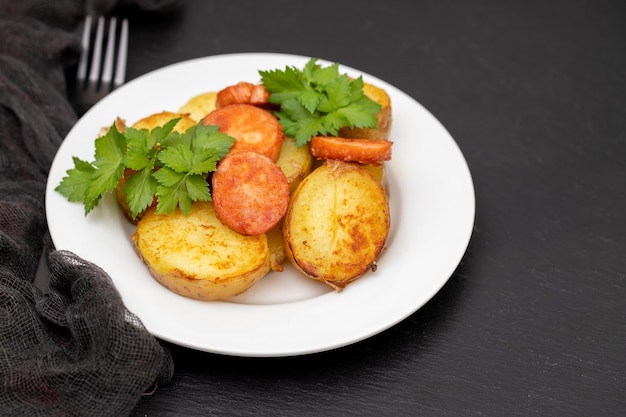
pixel 383 118
pixel 196 256
pixel 336 224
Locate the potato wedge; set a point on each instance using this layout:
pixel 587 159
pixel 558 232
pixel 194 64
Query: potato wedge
pixel 337 223
pixel 148 122
pixel 198 257
pixel 295 162
pixel 277 247
pixel 380 96
pixel 199 106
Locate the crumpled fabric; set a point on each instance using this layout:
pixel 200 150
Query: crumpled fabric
pixel 74 349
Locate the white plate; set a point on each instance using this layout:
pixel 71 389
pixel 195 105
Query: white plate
pixel 432 211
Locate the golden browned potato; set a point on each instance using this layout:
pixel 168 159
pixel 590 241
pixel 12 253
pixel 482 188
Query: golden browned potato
pixel 378 171
pixel 159 119
pixel 294 162
pixel 380 96
pixel 277 247
pixel 199 106
pixel 149 122
pixel 337 223
pixel 198 257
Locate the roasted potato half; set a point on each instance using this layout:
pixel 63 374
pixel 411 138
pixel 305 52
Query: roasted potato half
pixel 380 96
pixel 337 223
pixel 378 171
pixel 159 119
pixel 294 162
pixel 199 106
pixel 277 247
pixel 198 257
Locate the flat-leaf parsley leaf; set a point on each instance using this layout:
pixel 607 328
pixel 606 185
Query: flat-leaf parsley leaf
pixel 318 100
pixel 161 163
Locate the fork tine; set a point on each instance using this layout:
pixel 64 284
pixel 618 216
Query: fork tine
pixel 120 71
pixel 81 73
pixel 107 71
pixel 96 56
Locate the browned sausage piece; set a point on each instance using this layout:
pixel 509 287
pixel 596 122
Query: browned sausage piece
pixel 253 128
pixel 243 93
pixel 250 192
pixel 365 151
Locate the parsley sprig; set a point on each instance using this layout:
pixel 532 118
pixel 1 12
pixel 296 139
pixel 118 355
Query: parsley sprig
pixel 165 164
pixel 318 100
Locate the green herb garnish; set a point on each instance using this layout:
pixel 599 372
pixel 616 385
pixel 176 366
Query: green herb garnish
pixel 166 164
pixel 318 101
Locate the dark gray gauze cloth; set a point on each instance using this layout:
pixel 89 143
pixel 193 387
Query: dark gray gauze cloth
pixel 74 350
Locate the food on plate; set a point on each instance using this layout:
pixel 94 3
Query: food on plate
pixel 168 165
pixel 243 93
pixel 253 128
pixel 318 101
pixel 295 162
pixel 250 192
pixel 383 117
pixel 277 247
pixel 237 182
pixel 197 256
pixel 337 223
pixel 122 199
pixel 378 171
pixel 365 151
pixel 149 122
pixel 160 119
pixel 199 105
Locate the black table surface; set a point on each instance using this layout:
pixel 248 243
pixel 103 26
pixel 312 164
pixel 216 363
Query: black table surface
pixel 533 320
